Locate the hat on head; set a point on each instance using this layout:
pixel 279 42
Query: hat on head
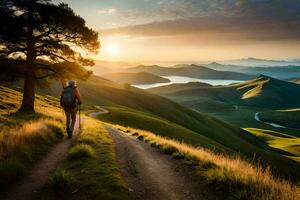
pixel 71 83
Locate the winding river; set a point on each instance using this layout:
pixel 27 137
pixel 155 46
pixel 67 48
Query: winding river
pixel 256 117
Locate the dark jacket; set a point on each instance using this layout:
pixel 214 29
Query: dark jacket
pixel 76 94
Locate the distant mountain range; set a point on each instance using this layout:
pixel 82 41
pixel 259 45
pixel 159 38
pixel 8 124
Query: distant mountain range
pixel 280 72
pixel 256 62
pixel 135 78
pixel 192 71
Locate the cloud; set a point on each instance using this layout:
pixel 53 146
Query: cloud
pixel 227 28
pixel 235 19
pixel 107 11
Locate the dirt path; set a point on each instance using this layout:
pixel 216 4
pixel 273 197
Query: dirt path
pixel 37 177
pixel 151 174
pixel 101 111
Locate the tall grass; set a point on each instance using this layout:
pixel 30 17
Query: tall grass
pixel 82 151
pixel 239 177
pixel 25 137
pixel 22 146
pixel 61 179
pixel 19 139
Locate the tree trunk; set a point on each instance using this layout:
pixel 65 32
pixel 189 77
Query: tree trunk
pixel 29 76
pixel 28 94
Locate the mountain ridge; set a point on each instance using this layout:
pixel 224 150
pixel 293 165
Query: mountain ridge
pixel 135 78
pixel 192 71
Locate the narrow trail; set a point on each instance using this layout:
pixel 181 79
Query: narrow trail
pixel 37 177
pixel 101 111
pixel 151 174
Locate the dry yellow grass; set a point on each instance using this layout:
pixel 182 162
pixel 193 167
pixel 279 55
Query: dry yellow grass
pixel 252 182
pixel 14 139
pixel 256 88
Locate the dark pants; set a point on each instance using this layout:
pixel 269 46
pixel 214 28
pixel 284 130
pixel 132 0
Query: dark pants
pixel 70 119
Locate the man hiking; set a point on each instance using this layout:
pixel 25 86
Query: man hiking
pixel 70 98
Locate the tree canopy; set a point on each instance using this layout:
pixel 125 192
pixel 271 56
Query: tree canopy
pixel 40 41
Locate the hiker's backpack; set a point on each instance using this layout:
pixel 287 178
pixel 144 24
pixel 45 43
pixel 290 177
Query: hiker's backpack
pixel 68 98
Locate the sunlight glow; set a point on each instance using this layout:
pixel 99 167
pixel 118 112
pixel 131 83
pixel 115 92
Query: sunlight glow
pixel 112 49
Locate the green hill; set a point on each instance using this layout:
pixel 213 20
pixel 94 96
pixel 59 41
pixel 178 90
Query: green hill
pixel 122 99
pixel 137 108
pixel 135 78
pixel 99 91
pixel 193 71
pixel 258 92
pixel 177 87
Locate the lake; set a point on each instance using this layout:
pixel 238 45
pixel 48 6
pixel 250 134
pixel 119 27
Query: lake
pixel 184 79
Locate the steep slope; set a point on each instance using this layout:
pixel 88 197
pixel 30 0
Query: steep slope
pixel 135 78
pixel 193 71
pixel 258 92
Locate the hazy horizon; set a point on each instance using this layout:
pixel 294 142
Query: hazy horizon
pixel 189 62
pixel 167 31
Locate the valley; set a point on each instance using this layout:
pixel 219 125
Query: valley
pixel 247 105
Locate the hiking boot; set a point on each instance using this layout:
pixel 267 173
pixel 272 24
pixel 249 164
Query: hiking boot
pixel 69 136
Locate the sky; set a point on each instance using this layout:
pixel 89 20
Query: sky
pixel 153 31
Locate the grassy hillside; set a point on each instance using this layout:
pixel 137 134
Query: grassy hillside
pixel 173 120
pixel 98 91
pixel 135 78
pixel 286 145
pixel 288 118
pixel 193 71
pixel 142 120
pixel 26 137
pixel 258 92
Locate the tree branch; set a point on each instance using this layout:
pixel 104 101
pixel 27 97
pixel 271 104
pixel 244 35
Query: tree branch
pixel 45 76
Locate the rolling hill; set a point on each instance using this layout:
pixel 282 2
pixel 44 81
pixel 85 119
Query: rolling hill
pixel 140 109
pixel 258 92
pixel 156 111
pixel 193 71
pixel 177 87
pixel 135 78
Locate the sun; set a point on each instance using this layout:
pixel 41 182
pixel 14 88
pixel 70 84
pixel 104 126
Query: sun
pixel 112 49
